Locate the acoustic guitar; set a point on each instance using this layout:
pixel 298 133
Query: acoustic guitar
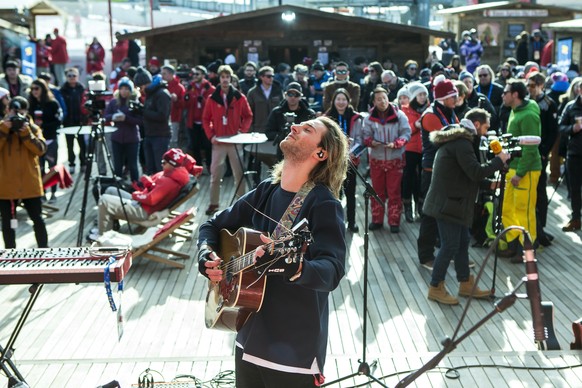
pixel 230 302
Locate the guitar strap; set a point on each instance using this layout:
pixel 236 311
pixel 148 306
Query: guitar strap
pixel 292 211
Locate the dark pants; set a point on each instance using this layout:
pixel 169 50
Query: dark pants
pixel 33 207
pixel 253 376
pixel 125 154
pixel 154 148
pixel 454 245
pixel 575 180
pixel 198 143
pixel 428 233
pixel 411 177
pixel 350 193
pixel 542 200
pixel 82 149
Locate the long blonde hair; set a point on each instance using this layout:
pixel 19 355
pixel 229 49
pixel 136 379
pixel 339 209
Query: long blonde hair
pixel 330 172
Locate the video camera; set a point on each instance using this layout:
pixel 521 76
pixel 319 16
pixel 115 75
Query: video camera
pixel 136 107
pixel 97 97
pixel 510 144
pixel 289 120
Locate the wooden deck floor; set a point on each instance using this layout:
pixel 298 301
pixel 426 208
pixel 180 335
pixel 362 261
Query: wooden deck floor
pixel 70 338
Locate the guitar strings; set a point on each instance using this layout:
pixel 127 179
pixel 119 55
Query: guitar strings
pixel 267 217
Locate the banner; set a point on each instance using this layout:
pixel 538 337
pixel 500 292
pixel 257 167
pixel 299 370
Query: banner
pixel 28 50
pixel 564 54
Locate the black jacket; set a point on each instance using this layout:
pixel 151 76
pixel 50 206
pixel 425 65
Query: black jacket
pixel 74 97
pixel 571 111
pixel 549 121
pixel 156 111
pixel 456 176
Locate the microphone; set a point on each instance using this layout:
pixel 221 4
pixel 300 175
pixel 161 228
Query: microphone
pixel 529 140
pixel 495 146
pixel 533 290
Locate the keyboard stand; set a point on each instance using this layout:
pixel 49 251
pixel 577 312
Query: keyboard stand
pixel 6 363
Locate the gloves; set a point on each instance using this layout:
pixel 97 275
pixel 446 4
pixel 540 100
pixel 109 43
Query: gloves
pixel 288 266
pixel 203 257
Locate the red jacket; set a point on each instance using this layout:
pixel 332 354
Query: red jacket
pixel 239 116
pixel 119 52
pixel 60 54
pixel 415 142
pixel 174 86
pixel 95 58
pixel 195 100
pixel 161 189
pixel 44 55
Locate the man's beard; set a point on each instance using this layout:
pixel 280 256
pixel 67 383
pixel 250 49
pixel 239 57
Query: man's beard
pixel 292 152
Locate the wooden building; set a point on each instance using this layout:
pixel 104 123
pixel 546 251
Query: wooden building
pixel 500 22
pixel 567 42
pixel 287 34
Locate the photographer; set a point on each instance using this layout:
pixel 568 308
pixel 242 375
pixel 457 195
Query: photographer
pixel 278 124
pixel 21 144
pixel 124 141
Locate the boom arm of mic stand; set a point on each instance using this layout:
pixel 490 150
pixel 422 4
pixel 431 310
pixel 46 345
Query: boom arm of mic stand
pixel 369 189
pixel 450 344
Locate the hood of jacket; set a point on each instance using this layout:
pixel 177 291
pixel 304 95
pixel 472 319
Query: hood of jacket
pixel 232 94
pixel 528 106
pixel 179 174
pixel 450 133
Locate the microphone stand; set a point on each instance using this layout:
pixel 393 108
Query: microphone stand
pixel 364 369
pixel 498 223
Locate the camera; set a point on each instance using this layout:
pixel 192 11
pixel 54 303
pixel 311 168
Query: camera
pixel 97 97
pixel 506 143
pixel 289 120
pixel 136 107
pixel 17 122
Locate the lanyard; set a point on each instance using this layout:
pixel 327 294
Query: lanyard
pixel 488 93
pixel 107 281
pixel 343 123
pixel 442 117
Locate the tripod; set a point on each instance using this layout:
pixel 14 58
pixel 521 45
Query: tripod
pixel 96 135
pixel 364 369
pixel 498 221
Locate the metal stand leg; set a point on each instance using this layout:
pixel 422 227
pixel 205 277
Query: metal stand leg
pixel 6 363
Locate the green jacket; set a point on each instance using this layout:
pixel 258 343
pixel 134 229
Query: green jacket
pixel 525 121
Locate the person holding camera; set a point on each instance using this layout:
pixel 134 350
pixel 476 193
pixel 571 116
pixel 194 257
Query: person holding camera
pixel 292 110
pixel 156 118
pixel 21 144
pixel 124 141
pixel 456 177
pixel 47 114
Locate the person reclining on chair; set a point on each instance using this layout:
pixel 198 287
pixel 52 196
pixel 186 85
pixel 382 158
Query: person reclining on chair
pixel 153 193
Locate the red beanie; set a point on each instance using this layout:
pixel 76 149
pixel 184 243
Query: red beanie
pixel 174 156
pixel 154 61
pixel 444 88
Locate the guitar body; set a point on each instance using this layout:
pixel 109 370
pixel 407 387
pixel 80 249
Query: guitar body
pixel 230 302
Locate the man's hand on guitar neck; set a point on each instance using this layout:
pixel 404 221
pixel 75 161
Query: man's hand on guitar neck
pixel 208 262
pixel 290 267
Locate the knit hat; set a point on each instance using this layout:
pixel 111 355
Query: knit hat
pixel 415 88
pixel 213 66
pixel 125 81
pixel 317 66
pixel 560 82
pixel 294 86
pixel 465 74
pixel 174 156
pixel 154 61
pixel 443 88
pixel 403 91
pixel 142 77
pixel 4 93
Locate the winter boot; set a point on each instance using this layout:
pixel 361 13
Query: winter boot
pixel 440 294
pixel 466 287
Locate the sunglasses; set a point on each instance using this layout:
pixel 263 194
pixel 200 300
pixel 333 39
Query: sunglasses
pixel 296 95
pixel 195 74
pixel 71 75
pixel 35 88
pixel 164 161
pixel 483 75
pixel 412 68
pixel 341 72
